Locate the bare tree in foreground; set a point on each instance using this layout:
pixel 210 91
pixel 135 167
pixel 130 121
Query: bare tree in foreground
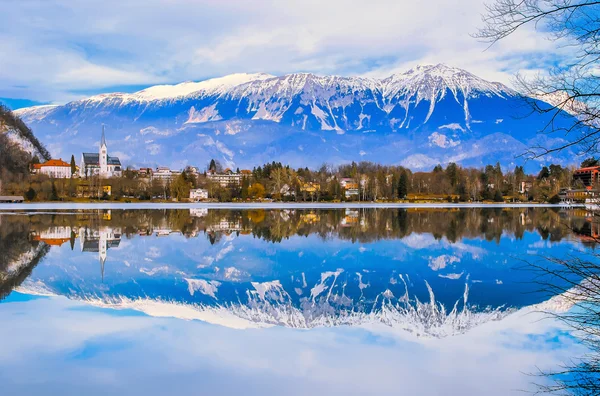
pixel 576 282
pixel 573 87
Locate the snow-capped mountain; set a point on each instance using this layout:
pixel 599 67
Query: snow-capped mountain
pixel 424 116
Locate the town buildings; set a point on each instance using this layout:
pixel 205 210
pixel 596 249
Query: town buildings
pixel 226 179
pixel 350 187
pixel 54 168
pixel 589 176
pixel 165 174
pixel 100 163
pixel 198 194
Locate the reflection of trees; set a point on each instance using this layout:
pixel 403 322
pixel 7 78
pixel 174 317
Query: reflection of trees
pixel 357 225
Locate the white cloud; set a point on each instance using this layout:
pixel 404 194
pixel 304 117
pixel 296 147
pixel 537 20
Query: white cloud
pixel 57 51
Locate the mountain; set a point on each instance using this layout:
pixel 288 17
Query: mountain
pixel 424 116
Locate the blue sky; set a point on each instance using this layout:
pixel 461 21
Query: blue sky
pixel 55 51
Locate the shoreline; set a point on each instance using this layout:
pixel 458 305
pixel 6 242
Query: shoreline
pixel 267 205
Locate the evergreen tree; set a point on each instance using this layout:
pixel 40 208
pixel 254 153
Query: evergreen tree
pixel 30 194
pixel 590 162
pixel 73 165
pixel 544 173
pixel 403 186
pixel 213 165
pixel 54 192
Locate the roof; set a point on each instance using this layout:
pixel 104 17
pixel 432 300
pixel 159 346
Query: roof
pixel 94 159
pixel 11 198
pixel 55 162
pixel 246 172
pixel 587 169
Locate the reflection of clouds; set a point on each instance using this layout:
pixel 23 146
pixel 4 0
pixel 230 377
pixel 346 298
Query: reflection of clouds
pixel 93 352
pixel 441 262
pixel 451 276
pixel 153 252
pixel 420 241
pixel 428 241
pixel 223 252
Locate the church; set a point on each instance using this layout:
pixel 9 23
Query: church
pixel 100 163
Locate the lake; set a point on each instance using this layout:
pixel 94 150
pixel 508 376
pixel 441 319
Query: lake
pixel 283 301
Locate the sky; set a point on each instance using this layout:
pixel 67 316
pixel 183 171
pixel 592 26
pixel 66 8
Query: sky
pixel 55 51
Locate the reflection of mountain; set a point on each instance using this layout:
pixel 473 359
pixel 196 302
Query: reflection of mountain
pixel 18 255
pixel 268 304
pixel 327 267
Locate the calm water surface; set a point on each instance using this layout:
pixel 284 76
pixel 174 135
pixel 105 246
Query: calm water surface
pixel 354 301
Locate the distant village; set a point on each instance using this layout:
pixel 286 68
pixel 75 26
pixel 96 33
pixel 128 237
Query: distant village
pixel 99 175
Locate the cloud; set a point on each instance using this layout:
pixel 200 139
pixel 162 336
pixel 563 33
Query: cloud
pixel 59 52
pixel 140 355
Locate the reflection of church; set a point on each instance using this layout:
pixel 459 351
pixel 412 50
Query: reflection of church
pixel 99 241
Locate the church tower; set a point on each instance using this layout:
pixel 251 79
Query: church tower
pixel 103 156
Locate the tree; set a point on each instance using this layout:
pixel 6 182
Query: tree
pixel 256 191
pixel 592 161
pixel 54 192
pixel 73 165
pixel 569 87
pixel 544 173
pixel 30 194
pixel 498 196
pixel 180 188
pixel 403 186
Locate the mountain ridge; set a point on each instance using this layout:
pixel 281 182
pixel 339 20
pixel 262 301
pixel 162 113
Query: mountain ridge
pixel 436 111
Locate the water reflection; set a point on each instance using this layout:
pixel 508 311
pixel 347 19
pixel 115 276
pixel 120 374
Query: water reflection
pixel 431 299
pixel 429 272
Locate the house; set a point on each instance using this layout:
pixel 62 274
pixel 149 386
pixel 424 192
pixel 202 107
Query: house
pixel 192 170
pixel 145 173
pixel 100 163
pixel 90 190
pixel 226 179
pixel 54 168
pixel 165 174
pixel 588 176
pixel 198 194
pixel 524 187
pixel 350 187
pixel 310 187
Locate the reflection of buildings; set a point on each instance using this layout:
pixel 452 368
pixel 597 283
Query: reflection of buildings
pixel 198 212
pixel 310 218
pixel 99 240
pixel 226 225
pixel 54 236
pixel 351 218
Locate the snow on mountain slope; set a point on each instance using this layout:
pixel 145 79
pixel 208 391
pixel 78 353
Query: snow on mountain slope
pixel 203 88
pixel 429 113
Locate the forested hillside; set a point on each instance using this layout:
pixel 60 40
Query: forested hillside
pixel 15 136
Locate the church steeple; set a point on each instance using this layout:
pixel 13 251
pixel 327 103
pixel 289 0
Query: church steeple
pixel 103 139
pixel 103 156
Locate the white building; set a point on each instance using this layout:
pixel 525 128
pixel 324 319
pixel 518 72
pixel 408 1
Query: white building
pixel 165 174
pixel 100 163
pixel 226 179
pixel 198 194
pixel 55 168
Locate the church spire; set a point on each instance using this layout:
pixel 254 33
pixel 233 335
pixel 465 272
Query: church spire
pixel 103 139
